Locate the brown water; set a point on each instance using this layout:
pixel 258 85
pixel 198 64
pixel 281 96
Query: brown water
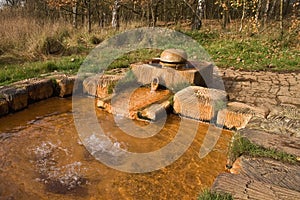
pixel 41 157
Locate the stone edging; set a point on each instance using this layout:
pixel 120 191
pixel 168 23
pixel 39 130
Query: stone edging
pixel 19 95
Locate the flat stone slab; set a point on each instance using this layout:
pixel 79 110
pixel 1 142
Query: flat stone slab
pixel 237 115
pixel 243 187
pixel 199 103
pixel 283 143
pixel 282 120
pixel 270 171
pixel 170 77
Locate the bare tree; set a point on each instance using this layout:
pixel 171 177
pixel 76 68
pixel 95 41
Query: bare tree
pixel 115 22
pixel 258 7
pixel 243 15
pixel 199 14
pixel 75 14
pixel 197 20
pixel 281 16
pixel 266 13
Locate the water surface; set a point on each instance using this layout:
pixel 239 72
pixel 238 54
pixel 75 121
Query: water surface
pixel 42 157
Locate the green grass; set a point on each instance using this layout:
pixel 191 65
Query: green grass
pixel 134 56
pixel 15 72
pixel 242 146
pixel 251 53
pixel 209 195
pixel 260 52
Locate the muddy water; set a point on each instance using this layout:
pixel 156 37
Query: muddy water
pixel 42 157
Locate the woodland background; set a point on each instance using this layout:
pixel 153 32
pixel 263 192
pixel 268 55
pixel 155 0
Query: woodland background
pixel 244 34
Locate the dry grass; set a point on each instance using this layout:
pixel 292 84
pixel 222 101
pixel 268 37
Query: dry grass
pixel 26 35
pixel 27 39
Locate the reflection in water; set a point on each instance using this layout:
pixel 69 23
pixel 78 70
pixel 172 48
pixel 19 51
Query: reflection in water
pixel 41 157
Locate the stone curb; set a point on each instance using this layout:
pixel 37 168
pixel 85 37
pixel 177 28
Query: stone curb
pixel 19 95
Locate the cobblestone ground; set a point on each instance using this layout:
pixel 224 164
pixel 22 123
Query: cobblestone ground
pixel 279 93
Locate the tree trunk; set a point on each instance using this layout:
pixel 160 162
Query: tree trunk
pixel 197 20
pixel 273 7
pixel 281 16
pixel 199 14
pixel 266 13
pixel 243 16
pixel 75 14
pixel 115 23
pixel 89 16
pixel 257 13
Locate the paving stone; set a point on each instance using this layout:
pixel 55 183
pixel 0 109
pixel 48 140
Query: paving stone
pixel 289 100
pixel 261 101
pixel 284 91
pixel 243 187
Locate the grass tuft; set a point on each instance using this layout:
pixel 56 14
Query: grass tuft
pixel 242 146
pixel 209 195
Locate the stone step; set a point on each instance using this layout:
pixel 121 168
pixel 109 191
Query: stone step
pixel 243 187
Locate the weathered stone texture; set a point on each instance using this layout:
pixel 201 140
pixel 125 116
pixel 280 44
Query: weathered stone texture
pixel 237 115
pixel 100 85
pixel 271 171
pixel 244 187
pixel 17 98
pixel 282 143
pixel 4 109
pixel 170 77
pixel 40 89
pixel 154 111
pixel 65 85
pixel 199 103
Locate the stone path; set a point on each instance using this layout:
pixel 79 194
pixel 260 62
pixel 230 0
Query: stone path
pixel 279 95
pixel 262 88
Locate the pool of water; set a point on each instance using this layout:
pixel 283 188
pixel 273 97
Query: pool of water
pixel 42 157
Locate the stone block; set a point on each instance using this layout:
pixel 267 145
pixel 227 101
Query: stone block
pixel 128 103
pixel 170 77
pixel 17 98
pixel 65 85
pixel 100 86
pixel 39 89
pixel 199 103
pixel 237 115
pixel 4 109
pixel 154 111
